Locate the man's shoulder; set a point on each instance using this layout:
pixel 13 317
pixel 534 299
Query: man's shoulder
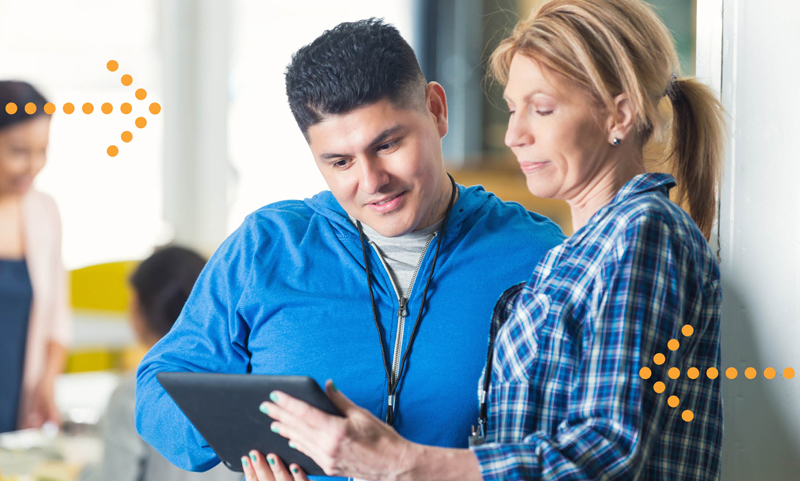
pixel 512 215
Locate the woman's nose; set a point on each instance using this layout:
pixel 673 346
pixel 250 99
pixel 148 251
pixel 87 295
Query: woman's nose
pixel 519 133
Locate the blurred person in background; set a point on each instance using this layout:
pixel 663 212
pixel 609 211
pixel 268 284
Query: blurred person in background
pixel 570 394
pixel 34 309
pixel 159 288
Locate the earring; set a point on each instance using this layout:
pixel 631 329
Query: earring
pixel 615 142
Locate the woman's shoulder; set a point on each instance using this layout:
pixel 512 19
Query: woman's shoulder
pixel 39 203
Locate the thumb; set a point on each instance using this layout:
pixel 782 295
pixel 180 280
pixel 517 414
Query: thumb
pixel 345 405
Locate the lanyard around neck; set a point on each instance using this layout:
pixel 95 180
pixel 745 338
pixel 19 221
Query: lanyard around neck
pixel 392 386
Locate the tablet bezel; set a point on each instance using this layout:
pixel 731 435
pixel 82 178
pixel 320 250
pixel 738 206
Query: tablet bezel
pixel 224 408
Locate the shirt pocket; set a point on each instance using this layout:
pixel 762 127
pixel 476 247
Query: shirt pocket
pixel 518 342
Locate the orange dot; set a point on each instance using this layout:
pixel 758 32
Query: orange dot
pixel 674 373
pixel 49 108
pixel 141 94
pixel 126 136
pixel 731 372
pixel 112 151
pixel 750 373
pixel 155 108
pixel 687 416
pixel 69 108
pixel 11 108
pixel 88 108
pixel 693 373
pixel 125 108
pixel 107 108
pixel 673 344
pixel 687 330
pixel 788 373
pixel 141 122
pixel 30 108
pixel 673 401
pixel 659 387
pixel 659 359
pixel 645 373
pixel 127 80
pixel 769 373
pixel 112 65
pixel 712 373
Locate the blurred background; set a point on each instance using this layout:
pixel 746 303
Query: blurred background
pixel 225 144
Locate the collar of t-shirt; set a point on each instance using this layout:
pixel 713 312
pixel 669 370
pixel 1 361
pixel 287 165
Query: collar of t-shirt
pixel 401 254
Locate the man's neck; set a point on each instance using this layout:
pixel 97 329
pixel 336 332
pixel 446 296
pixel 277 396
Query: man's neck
pixel 440 203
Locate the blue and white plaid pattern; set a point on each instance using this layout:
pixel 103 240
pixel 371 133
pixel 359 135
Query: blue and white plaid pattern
pixel 566 400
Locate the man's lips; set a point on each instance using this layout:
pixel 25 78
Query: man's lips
pixel 528 167
pixel 387 204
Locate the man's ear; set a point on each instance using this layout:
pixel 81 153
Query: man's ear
pixel 436 105
pixel 625 118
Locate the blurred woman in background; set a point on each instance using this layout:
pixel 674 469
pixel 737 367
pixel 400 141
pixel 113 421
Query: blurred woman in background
pixel 159 289
pixel 34 312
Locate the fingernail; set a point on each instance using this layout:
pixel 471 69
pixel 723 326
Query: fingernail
pixel 263 408
pixel 333 387
pixel 274 428
pixel 273 396
pixel 292 445
pixel 244 461
pixel 294 470
pixel 271 461
pixel 253 457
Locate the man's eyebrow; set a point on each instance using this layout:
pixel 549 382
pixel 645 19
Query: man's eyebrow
pixel 379 139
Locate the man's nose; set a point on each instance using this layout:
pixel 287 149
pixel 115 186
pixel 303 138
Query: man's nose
pixel 373 175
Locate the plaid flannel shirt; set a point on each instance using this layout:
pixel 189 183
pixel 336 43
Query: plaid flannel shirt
pixel 567 401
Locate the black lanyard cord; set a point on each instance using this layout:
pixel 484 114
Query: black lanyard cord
pixel 392 386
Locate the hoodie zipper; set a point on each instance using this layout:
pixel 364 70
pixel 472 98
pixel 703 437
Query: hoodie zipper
pixel 402 310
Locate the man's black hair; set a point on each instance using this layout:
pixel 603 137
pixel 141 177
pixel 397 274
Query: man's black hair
pixel 163 283
pixel 352 65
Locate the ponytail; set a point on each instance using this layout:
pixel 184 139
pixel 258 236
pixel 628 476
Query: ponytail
pixel 698 128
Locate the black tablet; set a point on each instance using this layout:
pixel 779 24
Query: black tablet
pixel 224 408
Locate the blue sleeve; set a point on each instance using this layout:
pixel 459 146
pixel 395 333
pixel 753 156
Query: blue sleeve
pixel 209 336
pixel 639 299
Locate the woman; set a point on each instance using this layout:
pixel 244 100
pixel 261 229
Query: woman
pixel 33 292
pixel 160 286
pixel 579 386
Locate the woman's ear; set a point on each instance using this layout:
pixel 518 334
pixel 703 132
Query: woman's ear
pixel 621 125
pixel 436 105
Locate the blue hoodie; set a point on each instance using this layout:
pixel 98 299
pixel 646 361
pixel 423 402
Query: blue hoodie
pixel 287 293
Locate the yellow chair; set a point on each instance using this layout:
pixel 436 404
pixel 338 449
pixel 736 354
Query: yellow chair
pixel 100 301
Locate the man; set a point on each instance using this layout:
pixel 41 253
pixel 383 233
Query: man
pixel 290 292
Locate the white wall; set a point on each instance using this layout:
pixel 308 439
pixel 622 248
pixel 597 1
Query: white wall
pixel 755 65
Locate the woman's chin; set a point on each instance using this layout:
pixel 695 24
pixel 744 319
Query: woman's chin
pixel 541 188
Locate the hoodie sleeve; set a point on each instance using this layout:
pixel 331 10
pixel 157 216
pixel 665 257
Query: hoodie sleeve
pixel 209 336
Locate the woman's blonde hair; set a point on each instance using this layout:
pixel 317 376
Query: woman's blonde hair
pixel 610 47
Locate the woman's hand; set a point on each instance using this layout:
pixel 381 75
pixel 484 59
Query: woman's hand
pixel 43 406
pixel 271 468
pixel 357 445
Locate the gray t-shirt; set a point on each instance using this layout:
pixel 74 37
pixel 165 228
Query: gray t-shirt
pixel 402 254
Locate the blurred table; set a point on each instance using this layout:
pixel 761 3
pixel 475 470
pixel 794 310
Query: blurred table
pixel 50 455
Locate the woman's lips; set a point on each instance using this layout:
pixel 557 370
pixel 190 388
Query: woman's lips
pixel 388 206
pixel 528 167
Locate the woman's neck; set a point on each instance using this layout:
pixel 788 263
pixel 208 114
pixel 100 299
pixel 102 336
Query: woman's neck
pixel 601 189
